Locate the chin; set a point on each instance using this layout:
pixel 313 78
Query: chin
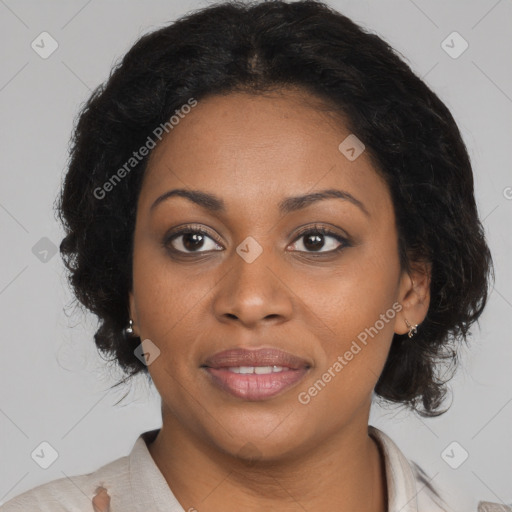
pixel 262 437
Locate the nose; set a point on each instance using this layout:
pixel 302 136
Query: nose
pixel 253 291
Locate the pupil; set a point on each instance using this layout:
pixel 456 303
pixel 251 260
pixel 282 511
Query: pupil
pixel 192 241
pixel 317 244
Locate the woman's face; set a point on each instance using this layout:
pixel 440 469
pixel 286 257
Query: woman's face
pixel 261 276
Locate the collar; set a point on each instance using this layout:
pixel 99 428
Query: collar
pixel 149 487
pixel 401 482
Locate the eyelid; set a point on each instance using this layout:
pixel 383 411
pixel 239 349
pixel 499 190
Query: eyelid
pixel 322 228
pixel 184 228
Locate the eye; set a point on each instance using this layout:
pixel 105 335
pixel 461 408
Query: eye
pixel 315 240
pixel 193 239
pixel 190 240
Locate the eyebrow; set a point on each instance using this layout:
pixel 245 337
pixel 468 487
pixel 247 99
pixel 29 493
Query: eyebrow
pixel 213 203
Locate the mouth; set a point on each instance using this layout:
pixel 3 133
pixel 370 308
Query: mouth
pixel 255 375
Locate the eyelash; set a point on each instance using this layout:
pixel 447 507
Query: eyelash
pixel 315 229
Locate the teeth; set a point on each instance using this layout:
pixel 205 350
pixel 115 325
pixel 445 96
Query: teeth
pixel 259 370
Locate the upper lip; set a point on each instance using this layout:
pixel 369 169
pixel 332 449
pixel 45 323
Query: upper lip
pixel 261 357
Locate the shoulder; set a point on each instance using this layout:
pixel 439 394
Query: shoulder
pixel 409 487
pixel 73 493
pixel 429 497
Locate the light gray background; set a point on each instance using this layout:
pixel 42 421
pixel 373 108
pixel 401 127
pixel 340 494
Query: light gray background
pixel 54 386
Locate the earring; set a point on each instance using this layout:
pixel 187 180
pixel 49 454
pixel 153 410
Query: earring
pixel 413 329
pixel 129 330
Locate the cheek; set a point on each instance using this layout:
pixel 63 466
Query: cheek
pixel 164 293
pixel 358 303
pixel 356 293
pixel 170 305
pixel 354 356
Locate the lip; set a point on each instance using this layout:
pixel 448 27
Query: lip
pixel 252 386
pixel 260 357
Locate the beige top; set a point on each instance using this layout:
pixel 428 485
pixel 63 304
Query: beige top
pixel 135 484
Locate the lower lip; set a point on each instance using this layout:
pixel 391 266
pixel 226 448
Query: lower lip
pixel 253 387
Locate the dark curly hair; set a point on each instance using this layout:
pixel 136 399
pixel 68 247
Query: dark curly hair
pixel 409 134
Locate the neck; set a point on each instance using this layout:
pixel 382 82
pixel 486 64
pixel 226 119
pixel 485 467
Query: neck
pixel 345 473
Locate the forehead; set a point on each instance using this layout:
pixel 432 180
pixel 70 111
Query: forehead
pixel 256 149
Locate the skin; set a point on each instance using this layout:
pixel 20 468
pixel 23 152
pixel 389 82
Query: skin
pixel 222 453
pixel 101 500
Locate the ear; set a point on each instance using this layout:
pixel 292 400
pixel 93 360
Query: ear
pixel 414 296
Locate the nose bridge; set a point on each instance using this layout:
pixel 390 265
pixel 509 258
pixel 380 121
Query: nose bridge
pixel 252 291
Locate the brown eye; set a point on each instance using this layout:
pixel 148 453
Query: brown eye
pixel 191 241
pixel 315 239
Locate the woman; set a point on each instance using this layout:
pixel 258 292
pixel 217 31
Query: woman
pixel 273 219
